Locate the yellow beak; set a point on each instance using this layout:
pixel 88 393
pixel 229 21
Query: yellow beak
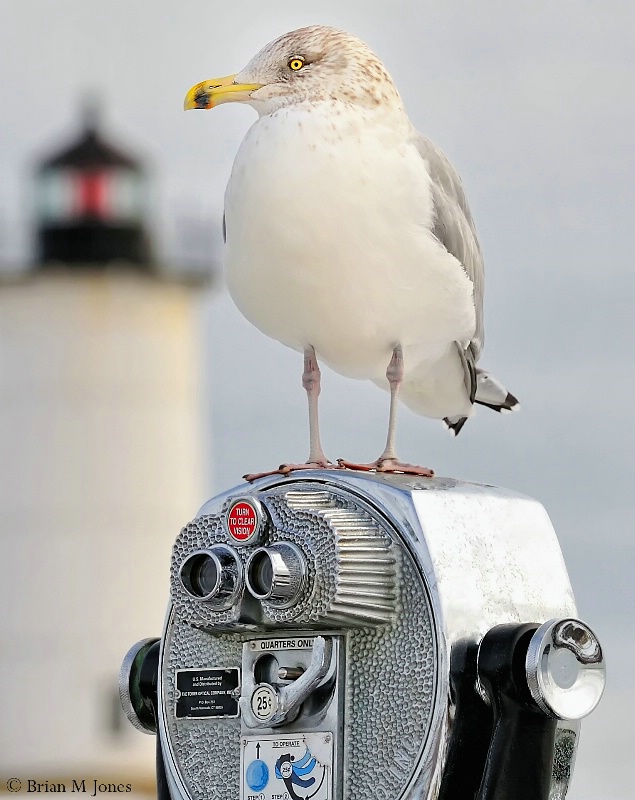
pixel 218 90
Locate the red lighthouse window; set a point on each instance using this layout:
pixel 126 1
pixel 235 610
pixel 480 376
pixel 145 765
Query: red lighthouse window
pixel 91 194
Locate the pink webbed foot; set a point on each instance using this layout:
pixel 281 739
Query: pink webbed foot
pixel 285 469
pixel 388 465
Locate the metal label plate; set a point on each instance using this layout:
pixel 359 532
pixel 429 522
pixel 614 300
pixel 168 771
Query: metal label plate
pixel 287 767
pixel 207 692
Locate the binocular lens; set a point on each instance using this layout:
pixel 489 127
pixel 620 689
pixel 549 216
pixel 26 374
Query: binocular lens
pixel 205 576
pixel 261 574
pixel 200 574
pixel 213 575
pixel 276 574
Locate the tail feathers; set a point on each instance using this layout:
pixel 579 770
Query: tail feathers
pixel 490 392
pixel 454 424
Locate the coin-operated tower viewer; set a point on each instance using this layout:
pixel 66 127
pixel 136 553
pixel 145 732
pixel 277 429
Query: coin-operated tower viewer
pixel 347 636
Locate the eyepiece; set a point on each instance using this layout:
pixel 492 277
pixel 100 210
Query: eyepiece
pixel 201 574
pixel 213 576
pixel 260 575
pixel 276 574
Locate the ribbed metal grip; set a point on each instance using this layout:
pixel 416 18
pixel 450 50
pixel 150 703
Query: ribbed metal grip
pixel 365 569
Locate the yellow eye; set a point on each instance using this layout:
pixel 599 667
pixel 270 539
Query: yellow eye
pixel 296 63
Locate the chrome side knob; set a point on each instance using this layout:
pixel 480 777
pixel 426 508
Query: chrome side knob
pixel 565 669
pixel 137 684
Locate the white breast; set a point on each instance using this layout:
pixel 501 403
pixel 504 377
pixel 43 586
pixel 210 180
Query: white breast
pixel 329 244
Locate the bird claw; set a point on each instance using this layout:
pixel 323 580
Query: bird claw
pixel 388 466
pixel 285 469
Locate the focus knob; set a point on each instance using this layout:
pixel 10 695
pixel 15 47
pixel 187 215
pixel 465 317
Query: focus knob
pixel 565 668
pixel 138 684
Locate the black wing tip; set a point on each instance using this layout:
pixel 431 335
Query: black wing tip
pixel 509 404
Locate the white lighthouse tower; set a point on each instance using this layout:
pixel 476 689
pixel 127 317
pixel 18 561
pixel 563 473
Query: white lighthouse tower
pixel 101 463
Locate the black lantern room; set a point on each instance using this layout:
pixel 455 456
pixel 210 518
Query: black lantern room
pixel 91 204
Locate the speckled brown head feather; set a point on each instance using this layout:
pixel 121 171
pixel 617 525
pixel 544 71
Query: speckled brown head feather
pixel 336 66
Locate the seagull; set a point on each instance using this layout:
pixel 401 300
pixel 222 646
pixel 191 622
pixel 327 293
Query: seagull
pixel 348 236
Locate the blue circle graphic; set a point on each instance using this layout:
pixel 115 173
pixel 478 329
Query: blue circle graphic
pixel 257 775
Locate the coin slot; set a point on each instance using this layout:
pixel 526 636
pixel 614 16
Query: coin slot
pixel 266 669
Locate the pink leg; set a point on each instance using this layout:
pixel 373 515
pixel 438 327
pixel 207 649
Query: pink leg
pixel 388 461
pixel 317 460
pixel 311 381
pixel 394 374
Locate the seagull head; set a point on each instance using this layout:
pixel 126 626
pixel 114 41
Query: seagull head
pixel 305 66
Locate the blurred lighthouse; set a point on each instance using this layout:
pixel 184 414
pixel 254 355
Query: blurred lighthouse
pixel 102 448
pixel 91 203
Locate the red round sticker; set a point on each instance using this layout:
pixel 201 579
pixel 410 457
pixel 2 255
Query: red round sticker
pixel 242 521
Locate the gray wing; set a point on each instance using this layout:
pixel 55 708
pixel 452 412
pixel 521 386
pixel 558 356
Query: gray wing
pixel 454 228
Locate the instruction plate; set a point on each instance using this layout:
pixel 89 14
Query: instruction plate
pixel 289 767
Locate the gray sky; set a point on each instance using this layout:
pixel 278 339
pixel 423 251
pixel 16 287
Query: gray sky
pixel 534 103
